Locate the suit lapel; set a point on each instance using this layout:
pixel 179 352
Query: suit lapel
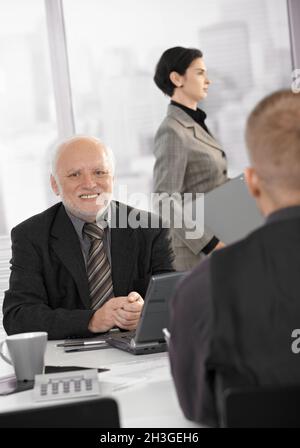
pixel 123 253
pixel 66 245
pixel 199 133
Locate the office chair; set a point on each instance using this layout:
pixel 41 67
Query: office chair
pixel 95 413
pixel 264 407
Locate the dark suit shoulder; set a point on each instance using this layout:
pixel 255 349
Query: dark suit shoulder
pixel 272 238
pixel 239 255
pixel 38 222
pixel 236 250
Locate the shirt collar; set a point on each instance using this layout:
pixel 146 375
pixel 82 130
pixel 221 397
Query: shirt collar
pixel 198 115
pixel 79 223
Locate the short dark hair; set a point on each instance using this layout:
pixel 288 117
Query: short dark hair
pixel 176 59
pixel 273 140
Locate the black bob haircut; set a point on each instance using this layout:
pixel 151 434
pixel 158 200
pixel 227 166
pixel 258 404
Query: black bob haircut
pixel 176 59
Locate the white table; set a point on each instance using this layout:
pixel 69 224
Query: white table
pixel 142 386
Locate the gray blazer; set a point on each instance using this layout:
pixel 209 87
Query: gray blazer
pixel 188 160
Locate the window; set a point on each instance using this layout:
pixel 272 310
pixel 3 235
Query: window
pixel 27 112
pixel 114 46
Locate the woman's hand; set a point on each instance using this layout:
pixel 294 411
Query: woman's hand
pixel 220 245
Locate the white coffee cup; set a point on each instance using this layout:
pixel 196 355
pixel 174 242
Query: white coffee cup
pixel 27 351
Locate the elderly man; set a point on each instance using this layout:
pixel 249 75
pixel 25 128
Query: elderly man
pixel 233 316
pixel 76 271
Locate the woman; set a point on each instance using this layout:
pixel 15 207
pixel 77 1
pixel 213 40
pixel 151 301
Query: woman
pixel 188 158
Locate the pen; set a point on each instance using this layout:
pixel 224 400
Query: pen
pixel 80 343
pixel 167 335
pixel 85 348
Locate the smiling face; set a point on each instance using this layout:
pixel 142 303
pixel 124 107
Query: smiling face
pixel 83 178
pixel 192 87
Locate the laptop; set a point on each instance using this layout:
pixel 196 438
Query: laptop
pixel 230 211
pixel 148 336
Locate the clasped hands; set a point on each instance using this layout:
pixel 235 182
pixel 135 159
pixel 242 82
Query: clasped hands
pixel 123 312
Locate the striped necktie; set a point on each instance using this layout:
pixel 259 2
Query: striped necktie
pixel 98 267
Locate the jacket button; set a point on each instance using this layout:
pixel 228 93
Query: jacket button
pixel 224 172
pixel 223 154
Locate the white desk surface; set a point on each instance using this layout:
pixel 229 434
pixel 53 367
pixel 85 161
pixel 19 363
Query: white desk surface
pixel 142 386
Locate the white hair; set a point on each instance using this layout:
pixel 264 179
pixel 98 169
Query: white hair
pixel 58 145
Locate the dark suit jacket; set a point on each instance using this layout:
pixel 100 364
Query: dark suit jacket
pixel 233 316
pixel 48 288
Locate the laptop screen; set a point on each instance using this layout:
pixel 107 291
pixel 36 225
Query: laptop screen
pixel 155 314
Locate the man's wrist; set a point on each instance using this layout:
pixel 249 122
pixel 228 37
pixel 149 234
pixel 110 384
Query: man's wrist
pixel 91 325
pixel 97 323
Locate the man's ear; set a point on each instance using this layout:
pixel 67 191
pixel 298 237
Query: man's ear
pixel 252 182
pixel 176 79
pixel 54 185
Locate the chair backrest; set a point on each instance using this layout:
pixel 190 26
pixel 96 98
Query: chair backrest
pixel 95 413
pixel 267 407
